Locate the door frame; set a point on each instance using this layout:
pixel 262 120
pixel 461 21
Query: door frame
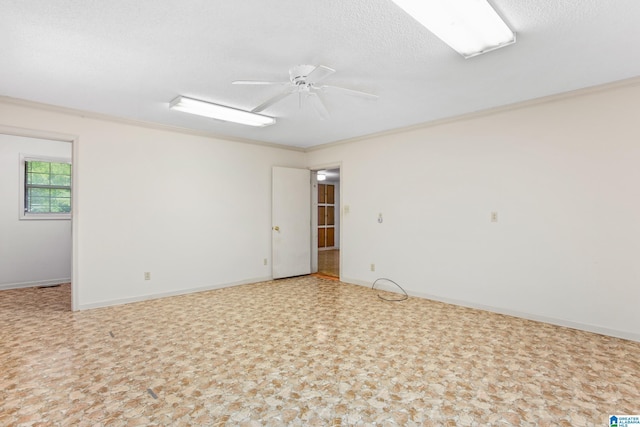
pixel 314 213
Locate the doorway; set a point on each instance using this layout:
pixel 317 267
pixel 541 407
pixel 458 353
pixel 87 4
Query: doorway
pixel 37 175
pixel 327 224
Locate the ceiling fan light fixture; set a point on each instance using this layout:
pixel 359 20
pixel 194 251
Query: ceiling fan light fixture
pixel 219 112
pixel 471 27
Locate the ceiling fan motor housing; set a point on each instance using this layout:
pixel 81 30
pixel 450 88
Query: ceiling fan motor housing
pixel 298 74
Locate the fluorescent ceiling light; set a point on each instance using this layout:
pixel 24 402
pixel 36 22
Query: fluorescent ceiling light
pixel 471 27
pixel 220 112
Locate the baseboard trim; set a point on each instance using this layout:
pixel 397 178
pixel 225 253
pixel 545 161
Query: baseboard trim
pixel 37 283
pixel 148 297
pixel 631 336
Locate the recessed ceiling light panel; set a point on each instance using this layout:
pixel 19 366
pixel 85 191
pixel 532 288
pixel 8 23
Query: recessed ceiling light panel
pixel 471 27
pixel 219 112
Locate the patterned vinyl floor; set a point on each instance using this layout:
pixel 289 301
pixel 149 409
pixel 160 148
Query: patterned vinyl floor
pixel 304 351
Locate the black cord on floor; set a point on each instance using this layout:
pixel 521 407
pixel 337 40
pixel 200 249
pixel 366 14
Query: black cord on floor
pixel 406 296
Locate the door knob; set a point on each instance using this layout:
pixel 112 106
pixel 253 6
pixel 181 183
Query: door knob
pixel 276 228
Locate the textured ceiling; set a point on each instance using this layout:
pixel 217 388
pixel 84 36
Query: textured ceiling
pixel 130 58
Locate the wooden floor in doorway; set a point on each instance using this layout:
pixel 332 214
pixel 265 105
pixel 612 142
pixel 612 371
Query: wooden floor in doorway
pixel 329 262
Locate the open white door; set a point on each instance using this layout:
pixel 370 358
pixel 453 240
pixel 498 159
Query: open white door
pixel 291 222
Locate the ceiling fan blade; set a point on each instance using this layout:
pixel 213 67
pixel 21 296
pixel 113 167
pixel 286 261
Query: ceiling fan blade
pixel 351 92
pixel 319 105
pixel 269 102
pixel 319 73
pixel 257 82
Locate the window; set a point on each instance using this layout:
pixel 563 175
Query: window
pixel 45 188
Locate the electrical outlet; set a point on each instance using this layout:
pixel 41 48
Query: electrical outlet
pixel 373 267
pixel 264 261
pixel 147 275
pixel 494 216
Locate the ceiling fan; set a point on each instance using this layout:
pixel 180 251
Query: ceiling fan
pixel 303 80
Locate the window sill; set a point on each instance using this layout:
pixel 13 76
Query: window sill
pixel 44 216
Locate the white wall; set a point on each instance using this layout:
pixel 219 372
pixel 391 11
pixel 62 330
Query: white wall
pixel 564 177
pixel 32 252
pixel 194 211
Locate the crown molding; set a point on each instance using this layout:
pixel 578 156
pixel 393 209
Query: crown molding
pixel 140 123
pixel 634 81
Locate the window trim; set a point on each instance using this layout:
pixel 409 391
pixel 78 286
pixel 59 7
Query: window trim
pixel 22 214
